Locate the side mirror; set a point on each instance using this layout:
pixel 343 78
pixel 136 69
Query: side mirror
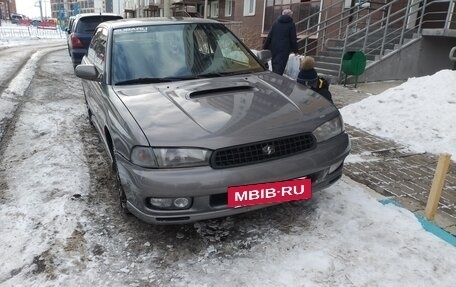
pixel 264 55
pixel 87 72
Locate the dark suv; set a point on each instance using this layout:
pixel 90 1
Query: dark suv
pixel 82 31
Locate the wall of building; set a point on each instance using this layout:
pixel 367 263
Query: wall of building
pixel 434 54
pixel 424 57
pixel 8 7
pixel 251 25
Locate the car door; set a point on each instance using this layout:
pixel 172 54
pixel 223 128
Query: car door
pixel 96 56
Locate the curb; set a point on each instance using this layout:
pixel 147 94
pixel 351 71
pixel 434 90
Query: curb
pixel 427 225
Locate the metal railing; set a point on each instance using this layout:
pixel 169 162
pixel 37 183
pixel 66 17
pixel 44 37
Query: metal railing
pixel 375 28
pixel 332 20
pixel 395 28
pixel 10 32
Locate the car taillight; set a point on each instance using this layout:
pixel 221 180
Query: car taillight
pixel 75 42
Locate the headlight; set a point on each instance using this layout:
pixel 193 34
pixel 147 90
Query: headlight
pixel 329 129
pixel 143 156
pixel 169 157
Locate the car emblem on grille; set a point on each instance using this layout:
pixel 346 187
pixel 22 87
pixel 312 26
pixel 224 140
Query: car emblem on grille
pixel 268 150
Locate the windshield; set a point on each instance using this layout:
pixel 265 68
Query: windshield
pixel 178 52
pixel 88 24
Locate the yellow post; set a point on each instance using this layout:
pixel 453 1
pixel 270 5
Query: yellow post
pixel 437 185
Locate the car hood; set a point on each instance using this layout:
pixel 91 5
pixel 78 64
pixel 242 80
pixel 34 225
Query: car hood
pixel 217 112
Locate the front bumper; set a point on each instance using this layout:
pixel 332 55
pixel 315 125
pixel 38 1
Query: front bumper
pixel 208 187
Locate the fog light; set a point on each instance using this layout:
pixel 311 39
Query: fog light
pixel 161 202
pixel 170 203
pixel 181 202
pixel 335 166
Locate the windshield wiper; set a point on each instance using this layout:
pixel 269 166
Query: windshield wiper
pixel 154 80
pixel 210 75
pixel 142 81
pixel 223 74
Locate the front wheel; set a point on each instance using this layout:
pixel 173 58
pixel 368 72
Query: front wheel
pixel 120 191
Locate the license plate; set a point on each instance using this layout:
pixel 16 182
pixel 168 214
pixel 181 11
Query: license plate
pixel 271 192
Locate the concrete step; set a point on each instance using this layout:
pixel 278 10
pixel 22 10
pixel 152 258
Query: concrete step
pixel 331 53
pixel 328 66
pixel 327 59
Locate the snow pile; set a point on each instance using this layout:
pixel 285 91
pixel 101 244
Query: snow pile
pixel 420 113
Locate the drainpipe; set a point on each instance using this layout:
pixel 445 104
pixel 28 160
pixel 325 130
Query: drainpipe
pixel 205 9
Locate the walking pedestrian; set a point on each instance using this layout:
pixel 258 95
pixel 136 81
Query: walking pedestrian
pixel 281 41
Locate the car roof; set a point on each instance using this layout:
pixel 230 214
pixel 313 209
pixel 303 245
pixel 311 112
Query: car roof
pixel 82 15
pixel 135 22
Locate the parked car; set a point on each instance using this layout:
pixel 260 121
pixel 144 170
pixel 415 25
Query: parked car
pixel 69 30
pixel 17 18
pixel 35 22
pixel 81 32
pixel 186 111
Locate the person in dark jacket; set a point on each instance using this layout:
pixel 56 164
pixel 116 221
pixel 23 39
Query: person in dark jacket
pixel 308 76
pixel 281 41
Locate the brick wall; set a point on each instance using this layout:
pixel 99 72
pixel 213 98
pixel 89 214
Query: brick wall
pixel 250 32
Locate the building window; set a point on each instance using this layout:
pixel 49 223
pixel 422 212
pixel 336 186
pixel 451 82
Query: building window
pixel 228 8
pixel 214 9
pixel 249 7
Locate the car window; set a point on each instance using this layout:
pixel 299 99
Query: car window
pixel 97 49
pixel 88 24
pixel 178 51
pixel 70 24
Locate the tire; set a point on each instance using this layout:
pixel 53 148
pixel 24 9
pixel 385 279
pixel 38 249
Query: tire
pixel 120 191
pixel 89 114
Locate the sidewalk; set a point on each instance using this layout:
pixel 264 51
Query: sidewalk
pixel 391 169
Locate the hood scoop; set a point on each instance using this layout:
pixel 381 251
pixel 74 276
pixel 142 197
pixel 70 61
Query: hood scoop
pixel 218 91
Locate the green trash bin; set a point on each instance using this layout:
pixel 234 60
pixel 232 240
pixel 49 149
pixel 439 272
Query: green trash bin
pixel 353 63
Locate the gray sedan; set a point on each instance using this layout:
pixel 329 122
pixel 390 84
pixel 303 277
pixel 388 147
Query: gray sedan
pixel 186 111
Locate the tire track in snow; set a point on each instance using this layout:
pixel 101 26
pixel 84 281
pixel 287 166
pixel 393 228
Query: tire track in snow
pixel 45 179
pixel 12 96
pixel 13 59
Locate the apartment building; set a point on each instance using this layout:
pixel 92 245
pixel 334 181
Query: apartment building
pixel 7 7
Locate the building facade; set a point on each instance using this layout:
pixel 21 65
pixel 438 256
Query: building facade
pixel 62 9
pixel 7 7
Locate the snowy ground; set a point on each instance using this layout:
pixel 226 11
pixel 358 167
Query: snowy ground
pixel 420 113
pixel 61 226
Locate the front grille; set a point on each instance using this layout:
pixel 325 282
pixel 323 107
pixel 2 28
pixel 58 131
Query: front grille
pixel 262 151
pixel 219 199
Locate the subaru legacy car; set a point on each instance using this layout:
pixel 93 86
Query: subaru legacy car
pixel 186 111
pixel 80 32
